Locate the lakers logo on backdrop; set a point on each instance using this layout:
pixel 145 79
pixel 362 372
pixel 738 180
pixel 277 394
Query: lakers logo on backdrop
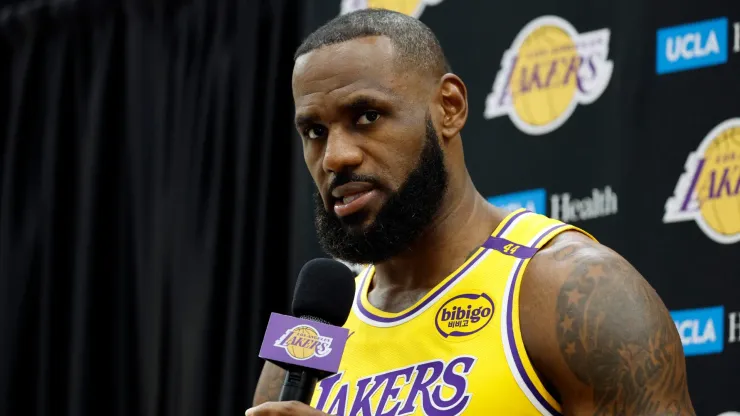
pixel 464 315
pixel 303 342
pixel 409 7
pixel 549 70
pixel 708 192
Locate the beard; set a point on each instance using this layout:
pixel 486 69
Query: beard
pixel 399 222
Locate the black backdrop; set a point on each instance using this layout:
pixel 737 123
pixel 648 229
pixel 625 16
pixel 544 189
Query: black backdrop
pixel 151 187
pixel 144 202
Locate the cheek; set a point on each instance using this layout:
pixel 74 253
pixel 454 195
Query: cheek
pixel 401 159
pixel 312 155
pixel 396 167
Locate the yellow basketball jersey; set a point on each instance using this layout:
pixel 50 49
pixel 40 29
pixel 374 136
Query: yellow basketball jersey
pixel 458 350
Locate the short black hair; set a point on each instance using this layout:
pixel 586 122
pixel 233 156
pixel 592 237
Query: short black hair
pixel 414 42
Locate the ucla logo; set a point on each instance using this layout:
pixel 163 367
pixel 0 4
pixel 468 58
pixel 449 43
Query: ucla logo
pixel 409 7
pixel 701 330
pixel 533 200
pixel 431 388
pixel 303 342
pixel 708 192
pixel 692 46
pixel 549 70
pixel 464 315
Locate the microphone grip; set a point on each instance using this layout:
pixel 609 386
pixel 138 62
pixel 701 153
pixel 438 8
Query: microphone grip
pixel 298 385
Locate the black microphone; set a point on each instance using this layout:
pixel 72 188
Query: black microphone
pixel 324 293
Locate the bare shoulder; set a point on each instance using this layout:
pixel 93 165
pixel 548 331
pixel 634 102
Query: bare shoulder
pixel 269 384
pixel 599 333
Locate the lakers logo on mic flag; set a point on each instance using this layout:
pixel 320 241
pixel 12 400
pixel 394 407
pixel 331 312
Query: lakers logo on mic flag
pixel 303 342
pixel 291 341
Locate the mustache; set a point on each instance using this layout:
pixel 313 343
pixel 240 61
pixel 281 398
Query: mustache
pixel 347 177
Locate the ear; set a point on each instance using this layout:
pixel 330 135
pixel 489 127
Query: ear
pixel 453 98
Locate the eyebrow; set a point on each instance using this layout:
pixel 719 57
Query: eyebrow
pixel 305 120
pixel 361 102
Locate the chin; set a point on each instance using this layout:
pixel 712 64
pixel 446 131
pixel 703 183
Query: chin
pixel 358 222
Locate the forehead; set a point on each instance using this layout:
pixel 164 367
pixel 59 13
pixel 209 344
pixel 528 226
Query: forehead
pixel 337 70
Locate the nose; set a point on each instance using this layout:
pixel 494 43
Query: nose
pixel 341 152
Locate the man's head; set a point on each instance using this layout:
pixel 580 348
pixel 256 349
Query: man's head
pixel 380 117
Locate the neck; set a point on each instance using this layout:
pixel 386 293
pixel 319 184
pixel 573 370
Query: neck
pixel 465 220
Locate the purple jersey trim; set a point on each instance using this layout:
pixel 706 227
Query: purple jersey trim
pixel 364 311
pixel 509 248
pixel 510 330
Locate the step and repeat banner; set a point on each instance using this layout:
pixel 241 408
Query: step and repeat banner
pixel 622 118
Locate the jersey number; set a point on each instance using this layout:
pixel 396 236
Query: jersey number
pixel 511 248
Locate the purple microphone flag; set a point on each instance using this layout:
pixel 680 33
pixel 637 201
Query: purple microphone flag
pixel 304 343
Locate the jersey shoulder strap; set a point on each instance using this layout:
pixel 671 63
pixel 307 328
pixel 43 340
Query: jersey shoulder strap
pixel 524 232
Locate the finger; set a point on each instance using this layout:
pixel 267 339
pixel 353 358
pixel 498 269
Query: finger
pixel 264 409
pixel 283 409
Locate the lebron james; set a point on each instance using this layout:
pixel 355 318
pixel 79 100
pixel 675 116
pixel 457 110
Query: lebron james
pixel 463 308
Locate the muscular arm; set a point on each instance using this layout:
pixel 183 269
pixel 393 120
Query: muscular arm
pixel 269 384
pixel 599 333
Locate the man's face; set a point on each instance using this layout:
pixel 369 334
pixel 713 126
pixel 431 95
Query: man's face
pixel 371 148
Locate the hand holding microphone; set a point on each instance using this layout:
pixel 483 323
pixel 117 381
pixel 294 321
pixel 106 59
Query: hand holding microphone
pixel 293 408
pixel 309 344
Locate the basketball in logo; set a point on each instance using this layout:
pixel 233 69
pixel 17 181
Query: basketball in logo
pixel 709 190
pixel 303 342
pixel 719 182
pixel 304 350
pixel 549 70
pixel 542 106
pixel 410 7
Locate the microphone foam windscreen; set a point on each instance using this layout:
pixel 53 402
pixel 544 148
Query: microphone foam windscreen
pixel 325 289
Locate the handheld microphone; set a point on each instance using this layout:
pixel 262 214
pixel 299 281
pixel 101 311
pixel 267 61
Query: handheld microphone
pixel 309 344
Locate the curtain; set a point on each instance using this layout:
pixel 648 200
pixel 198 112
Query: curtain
pixel 145 208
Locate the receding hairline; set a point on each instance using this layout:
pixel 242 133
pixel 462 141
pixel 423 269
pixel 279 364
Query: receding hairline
pixel 398 60
pixel 414 44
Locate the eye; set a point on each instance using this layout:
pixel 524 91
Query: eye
pixel 314 132
pixel 368 117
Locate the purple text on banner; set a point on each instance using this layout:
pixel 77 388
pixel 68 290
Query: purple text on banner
pixel 304 343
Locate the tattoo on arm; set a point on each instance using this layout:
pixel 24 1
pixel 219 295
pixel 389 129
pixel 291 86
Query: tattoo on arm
pixel 617 337
pixel 566 252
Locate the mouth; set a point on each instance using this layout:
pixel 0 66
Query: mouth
pixel 353 197
pixel 349 198
pixel 351 204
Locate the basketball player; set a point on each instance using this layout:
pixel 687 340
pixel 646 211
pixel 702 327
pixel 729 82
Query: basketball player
pixel 466 308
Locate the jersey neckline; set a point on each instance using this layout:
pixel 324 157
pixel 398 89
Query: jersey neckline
pixel 376 317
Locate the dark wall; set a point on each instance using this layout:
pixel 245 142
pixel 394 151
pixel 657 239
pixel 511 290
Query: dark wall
pixel 145 162
pixel 599 134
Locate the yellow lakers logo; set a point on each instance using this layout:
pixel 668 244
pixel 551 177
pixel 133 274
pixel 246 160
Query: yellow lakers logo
pixel 409 7
pixel 549 70
pixel 303 342
pixel 709 190
pixel 464 315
